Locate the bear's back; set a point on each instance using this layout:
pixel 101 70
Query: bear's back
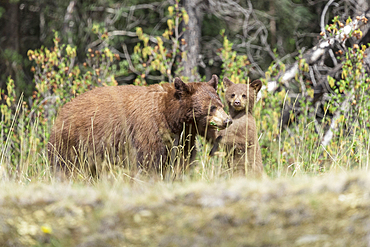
pixel 112 115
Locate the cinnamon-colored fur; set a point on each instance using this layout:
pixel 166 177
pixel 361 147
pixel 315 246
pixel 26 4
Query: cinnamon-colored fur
pixel 134 124
pixel 240 99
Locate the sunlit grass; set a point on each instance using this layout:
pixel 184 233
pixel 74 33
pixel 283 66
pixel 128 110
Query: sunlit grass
pixel 296 150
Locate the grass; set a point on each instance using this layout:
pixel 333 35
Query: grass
pixel 295 150
pixel 306 211
pixel 302 203
pixel 311 194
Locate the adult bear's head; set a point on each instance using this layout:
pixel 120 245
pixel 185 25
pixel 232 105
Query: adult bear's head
pixel 203 105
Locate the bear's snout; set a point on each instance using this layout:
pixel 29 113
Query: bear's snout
pixel 219 119
pixel 227 122
pixel 237 102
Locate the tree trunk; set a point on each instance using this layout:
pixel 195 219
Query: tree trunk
pixel 68 21
pixel 9 38
pixel 192 37
pixel 10 30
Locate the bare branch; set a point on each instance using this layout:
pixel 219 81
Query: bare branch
pixel 322 23
pixel 122 33
pixel 127 55
pixel 314 54
pixel 333 126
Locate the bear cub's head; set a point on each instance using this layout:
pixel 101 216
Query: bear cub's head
pixel 204 106
pixel 239 96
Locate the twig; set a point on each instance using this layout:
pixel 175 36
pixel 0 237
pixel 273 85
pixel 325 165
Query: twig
pixel 122 33
pixel 322 23
pixel 10 131
pixel 127 55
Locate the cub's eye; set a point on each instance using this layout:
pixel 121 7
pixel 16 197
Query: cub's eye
pixel 213 108
pixel 244 96
pixel 233 95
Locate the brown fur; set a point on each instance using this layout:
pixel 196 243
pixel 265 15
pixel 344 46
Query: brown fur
pixel 235 137
pixel 134 123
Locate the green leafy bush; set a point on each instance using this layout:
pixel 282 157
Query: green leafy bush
pixel 26 123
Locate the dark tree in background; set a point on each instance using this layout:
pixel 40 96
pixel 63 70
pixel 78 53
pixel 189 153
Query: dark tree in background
pixel 193 36
pixel 10 41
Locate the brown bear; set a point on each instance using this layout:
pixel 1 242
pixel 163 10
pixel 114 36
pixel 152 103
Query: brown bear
pixel 243 150
pixel 135 124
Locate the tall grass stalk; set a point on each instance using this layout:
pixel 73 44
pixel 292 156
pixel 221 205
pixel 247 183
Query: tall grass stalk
pixel 10 132
pixel 246 136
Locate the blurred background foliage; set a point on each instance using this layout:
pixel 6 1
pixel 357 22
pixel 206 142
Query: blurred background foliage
pixel 262 30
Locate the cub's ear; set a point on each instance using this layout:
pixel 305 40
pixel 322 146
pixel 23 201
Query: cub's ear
pixel 213 82
pixel 256 85
pixel 180 86
pixel 227 83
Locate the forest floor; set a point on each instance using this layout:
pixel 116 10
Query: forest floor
pixel 329 210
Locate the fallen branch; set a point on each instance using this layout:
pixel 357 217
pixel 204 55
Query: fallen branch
pixel 313 55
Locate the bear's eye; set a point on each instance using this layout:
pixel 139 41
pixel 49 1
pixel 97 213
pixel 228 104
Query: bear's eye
pixel 244 96
pixel 213 108
pixel 233 95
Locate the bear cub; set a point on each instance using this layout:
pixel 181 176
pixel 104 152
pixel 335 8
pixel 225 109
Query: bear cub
pixel 241 146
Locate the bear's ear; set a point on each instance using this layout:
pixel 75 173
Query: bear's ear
pixel 213 82
pixel 180 86
pixel 256 85
pixel 227 83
